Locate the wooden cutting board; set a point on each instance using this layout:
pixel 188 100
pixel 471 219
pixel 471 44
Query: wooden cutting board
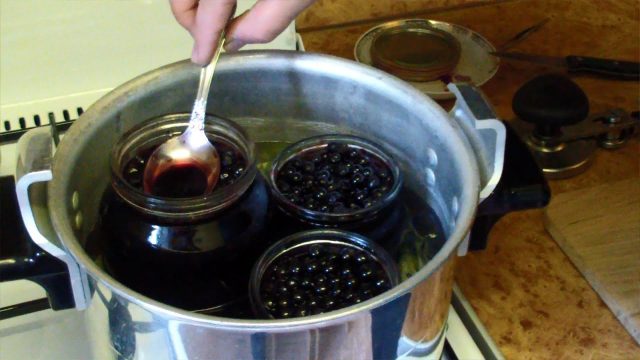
pixel 599 230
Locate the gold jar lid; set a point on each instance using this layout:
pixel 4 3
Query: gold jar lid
pixel 415 51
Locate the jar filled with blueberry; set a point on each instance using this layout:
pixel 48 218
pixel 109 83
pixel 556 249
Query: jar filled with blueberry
pixel 318 271
pixel 336 181
pixel 174 243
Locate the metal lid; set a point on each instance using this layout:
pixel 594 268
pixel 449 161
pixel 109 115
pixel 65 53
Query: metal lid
pixel 414 51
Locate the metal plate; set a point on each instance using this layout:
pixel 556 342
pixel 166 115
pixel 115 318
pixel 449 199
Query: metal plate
pixel 476 66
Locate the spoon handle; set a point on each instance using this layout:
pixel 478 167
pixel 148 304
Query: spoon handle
pixel 196 122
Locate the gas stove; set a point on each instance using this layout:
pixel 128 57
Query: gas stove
pixel 50 74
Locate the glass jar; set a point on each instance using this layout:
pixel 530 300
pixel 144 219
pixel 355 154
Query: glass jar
pixel 194 253
pixel 375 220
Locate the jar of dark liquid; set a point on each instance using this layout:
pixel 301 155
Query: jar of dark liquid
pixel 177 245
pixel 336 181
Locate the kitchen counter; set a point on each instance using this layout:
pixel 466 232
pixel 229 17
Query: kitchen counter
pixel 526 291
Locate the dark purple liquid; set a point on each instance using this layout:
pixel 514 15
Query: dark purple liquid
pixel 188 179
pixel 180 180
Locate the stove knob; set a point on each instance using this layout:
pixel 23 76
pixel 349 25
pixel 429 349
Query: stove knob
pixel 550 101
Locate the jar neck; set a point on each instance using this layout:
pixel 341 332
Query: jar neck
pixel 157 131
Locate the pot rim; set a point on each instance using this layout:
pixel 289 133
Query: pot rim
pixel 60 191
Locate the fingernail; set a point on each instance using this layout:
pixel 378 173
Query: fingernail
pixel 233 45
pixel 194 54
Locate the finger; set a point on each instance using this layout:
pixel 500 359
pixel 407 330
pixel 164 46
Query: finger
pixel 211 18
pixel 264 22
pixel 185 12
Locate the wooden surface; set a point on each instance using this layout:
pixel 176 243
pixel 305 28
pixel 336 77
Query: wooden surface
pixel 532 300
pixel 599 230
pixel 326 13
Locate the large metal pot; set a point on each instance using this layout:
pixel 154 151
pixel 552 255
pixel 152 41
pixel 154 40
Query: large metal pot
pixel 451 160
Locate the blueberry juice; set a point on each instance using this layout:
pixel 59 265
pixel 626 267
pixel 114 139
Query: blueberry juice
pixel 177 245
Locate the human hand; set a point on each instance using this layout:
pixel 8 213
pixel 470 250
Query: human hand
pixel 206 19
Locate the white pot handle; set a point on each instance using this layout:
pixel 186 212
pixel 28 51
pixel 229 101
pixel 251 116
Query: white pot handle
pixel 485 133
pixel 33 172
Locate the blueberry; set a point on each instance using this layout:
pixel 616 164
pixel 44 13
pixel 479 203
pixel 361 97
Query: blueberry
pixel 285 313
pixel 353 153
pixel 329 303
pixel 269 303
pixel 328 269
pixel 296 163
pixel 323 175
pixel 321 289
pixel 283 186
pixel 357 169
pixel 238 171
pixel 373 182
pixel 308 167
pixel 347 254
pixel 305 283
pixel 283 290
pixel 343 169
pixel 365 272
pixel 316 158
pixel 294 198
pixel 224 176
pixel 361 258
pixel 288 170
pixel 344 185
pixel 294 268
pixel 364 161
pixel 227 159
pixel 346 271
pixel 311 204
pixel 383 174
pixel 377 194
pixel 354 206
pixel 333 197
pixel 315 250
pixel 357 179
pixel 320 194
pixel 336 292
pixel 296 177
pixel 302 312
pixel 360 195
pixel 335 158
pixel 381 283
pixel 350 282
pixel 324 208
pixel 339 208
pixel 297 297
pixel 321 280
pixel 312 266
pixel 296 190
pixel 292 283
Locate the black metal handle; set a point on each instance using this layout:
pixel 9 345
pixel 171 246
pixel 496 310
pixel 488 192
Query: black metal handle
pixel 522 186
pixel 623 70
pixel 21 259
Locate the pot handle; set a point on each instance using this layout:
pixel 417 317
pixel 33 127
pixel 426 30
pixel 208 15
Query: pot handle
pixel 33 172
pixel 485 133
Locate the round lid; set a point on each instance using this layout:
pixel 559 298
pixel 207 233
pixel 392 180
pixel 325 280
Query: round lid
pixel 415 51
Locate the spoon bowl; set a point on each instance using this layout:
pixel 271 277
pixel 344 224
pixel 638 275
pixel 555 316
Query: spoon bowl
pixel 189 158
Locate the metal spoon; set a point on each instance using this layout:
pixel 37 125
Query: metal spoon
pixel 192 147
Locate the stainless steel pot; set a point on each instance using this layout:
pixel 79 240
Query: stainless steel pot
pixel 450 160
